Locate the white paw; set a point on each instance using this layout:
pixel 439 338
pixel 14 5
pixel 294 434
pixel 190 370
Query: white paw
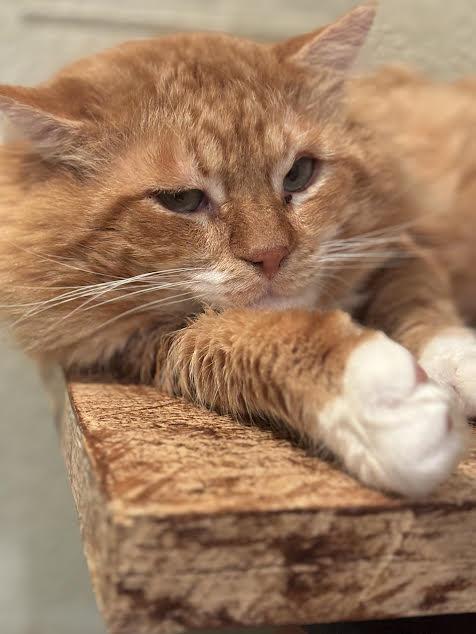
pixel 392 427
pixel 450 359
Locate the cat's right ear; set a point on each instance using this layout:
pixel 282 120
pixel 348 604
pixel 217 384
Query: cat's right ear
pixel 34 118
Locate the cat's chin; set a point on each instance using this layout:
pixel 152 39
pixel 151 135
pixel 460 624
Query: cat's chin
pixel 307 300
pixel 278 303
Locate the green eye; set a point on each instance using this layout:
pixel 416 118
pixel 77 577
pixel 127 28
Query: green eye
pixel 300 175
pixel 185 201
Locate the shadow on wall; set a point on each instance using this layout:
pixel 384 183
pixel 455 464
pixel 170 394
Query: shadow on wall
pixel 44 585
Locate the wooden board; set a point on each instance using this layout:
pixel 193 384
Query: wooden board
pixel 192 520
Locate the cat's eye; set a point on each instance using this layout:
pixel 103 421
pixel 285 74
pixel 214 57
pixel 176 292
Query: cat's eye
pixel 300 175
pixel 184 201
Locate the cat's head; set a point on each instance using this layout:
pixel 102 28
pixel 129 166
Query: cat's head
pixel 165 174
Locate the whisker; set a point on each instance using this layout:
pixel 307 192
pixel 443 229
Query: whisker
pixel 77 289
pixel 96 290
pixel 367 254
pixel 54 259
pixel 149 289
pixel 351 246
pixel 168 301
pixel 92 295
pixel 65 298
pixel 357 242
pixel 377 237
pixel 165 300
pixel 386 230
pixel 350 261
pixel 61 260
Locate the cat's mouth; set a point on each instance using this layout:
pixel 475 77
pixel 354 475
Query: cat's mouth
pixel 263 295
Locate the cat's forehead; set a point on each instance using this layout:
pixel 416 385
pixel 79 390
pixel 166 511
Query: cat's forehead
pixel 237 130
pixel 231 118
pixel 224 105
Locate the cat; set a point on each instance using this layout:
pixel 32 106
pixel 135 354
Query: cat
pixel 252 228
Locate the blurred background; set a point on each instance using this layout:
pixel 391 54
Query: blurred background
pixel 44 587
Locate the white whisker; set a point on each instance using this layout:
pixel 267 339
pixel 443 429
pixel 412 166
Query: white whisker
pixel 148 289
pixel 167 301
pixel 55 260
pixel 153 281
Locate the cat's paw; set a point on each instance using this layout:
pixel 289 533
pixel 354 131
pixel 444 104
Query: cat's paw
pixel 394 428
pixel 450 359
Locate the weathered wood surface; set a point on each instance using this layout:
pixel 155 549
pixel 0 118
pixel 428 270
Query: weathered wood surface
pixel 193 520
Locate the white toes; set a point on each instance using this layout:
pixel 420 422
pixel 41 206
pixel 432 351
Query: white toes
pixel 465 382
pixel 450 359
pixel 422 440
pixel 380 373
pixel 393 429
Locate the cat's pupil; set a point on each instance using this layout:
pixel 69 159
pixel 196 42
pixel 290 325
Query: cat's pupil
pixel 185 201
pixel 293 174
pixel 300 174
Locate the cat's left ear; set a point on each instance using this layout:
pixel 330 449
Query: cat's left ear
pixel 334 47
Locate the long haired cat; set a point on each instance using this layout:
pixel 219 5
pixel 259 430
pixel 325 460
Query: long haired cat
pixel 199 211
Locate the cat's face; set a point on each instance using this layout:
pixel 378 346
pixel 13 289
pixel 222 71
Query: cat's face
pixel 227 167
pixel 226 172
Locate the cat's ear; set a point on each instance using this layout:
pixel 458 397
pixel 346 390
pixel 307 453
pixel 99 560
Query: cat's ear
pixel 52 135
pixel 334 47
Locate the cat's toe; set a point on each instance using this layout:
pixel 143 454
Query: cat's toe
pixel 419 441
pixel 406 433
pixel 450 359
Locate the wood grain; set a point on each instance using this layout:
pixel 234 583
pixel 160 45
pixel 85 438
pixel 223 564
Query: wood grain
pixel 192 520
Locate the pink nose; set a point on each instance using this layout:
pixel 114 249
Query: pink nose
pixel 269 260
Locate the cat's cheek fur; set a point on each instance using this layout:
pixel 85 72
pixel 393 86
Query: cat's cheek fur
pixel 449 358
pixel 392 427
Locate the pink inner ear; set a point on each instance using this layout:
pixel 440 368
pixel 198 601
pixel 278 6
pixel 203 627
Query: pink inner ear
pixel 52 137
pixel 337 46
pixel 35 123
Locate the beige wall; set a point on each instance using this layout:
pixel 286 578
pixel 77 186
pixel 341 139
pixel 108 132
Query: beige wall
pixel 436 35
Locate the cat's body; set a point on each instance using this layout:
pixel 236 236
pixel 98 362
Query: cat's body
pixel 255 189
pixel 430 129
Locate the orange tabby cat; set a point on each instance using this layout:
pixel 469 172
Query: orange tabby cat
pixel 197 211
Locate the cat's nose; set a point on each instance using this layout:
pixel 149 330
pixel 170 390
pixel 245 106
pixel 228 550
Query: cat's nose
pixel 268 260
